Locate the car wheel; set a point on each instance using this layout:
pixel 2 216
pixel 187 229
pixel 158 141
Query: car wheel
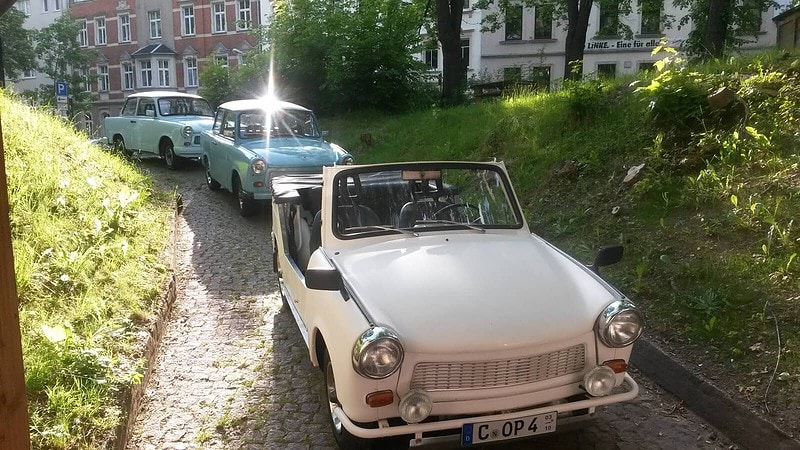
pixel 119 147
pixel 344 439
pixel 172 160
pixel 247 206
pixel 210 181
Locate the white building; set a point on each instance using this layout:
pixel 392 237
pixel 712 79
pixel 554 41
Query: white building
pixel 470 44
pixel 39 14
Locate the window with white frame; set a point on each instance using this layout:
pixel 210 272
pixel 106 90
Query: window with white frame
pixel 191 71
pixel 222 59
pixel 56 5
pixel 127 76
pixel 102 78
pixel 163 72
pixel 513 23
pixel 155 24
pixel 83 34
pixel 432 58
pixel 30 73
pixel 188 20
pixel 145 73
pixel 87 80
pixel 465 52
pixel 244 16
pixel 99 31
pixel 218 24
pixel 124 21
pixel 25 7
pixel 89 123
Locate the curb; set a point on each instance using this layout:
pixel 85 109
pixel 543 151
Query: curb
pixel 734 420
pixel 132 397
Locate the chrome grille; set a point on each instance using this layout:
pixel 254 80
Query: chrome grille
pixel 454 376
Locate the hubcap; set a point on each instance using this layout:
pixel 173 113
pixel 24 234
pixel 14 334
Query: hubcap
pixel 168 155
pixel 333 401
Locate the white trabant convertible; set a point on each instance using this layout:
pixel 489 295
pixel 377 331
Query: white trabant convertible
pixel 433 311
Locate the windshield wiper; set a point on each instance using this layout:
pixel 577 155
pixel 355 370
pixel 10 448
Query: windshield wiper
pixel 382 228
pixel 450 222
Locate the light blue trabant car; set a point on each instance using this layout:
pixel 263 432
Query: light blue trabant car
pixel 162 123
pixel 254 140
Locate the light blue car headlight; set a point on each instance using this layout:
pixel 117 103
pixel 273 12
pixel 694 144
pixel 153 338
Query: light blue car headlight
pixel 258 166
pixel 187 131
pixel 347 160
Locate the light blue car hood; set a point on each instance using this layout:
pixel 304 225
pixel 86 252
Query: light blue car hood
pixel 294 151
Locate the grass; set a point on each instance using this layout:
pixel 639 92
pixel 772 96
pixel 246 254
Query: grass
pixel 88 232
pixel 710 228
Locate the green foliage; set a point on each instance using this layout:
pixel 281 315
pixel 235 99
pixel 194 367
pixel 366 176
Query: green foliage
pixel 87 242
pixel 215 83
pixel 351 54
pixel 18 54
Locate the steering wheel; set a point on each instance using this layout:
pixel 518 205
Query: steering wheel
pixel 458 205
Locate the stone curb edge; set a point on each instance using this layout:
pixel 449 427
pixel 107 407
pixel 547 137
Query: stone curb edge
pixel 132 397
pixel 744 427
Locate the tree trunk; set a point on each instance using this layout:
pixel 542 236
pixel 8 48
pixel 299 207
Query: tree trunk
pixel 577 25
pixel 716 27
pixel 448 18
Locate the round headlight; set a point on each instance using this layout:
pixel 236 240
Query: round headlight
pixel 377 353
pixel 620 324
pixel 259 166
pixel 348 161
pixel 187 131
pixel 415 406
pixel 599 381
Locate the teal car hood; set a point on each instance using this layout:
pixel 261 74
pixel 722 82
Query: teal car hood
pixel 294 151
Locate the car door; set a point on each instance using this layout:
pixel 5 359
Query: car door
pixel 145 140
pixel 220 146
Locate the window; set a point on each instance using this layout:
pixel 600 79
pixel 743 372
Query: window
pixel 432 59
pixel 514 23
pixel 100 31
pixel 609 20
pixel 608 70
pixel 163 72
pixel 465 52
pixel 30 73
pixel 188 20
pixel 155 24
pixel 218 24
pixel 56 5
pixel 88 123
pixel 51 5
pixel 124 27
pixel 244 16
pixel 540 77
pixel 191 71
pixel 129 109
pixel 222 59
pixel 512 73
pixel 750 18
pixel 647 66
pixel 25 7
pixel 145 104
pixel 87 80
pixel 651 18
pixel 127 76
pixel 146 73
pixel 45 5
pixel 543 26
pixel 83 34
pixel 102 78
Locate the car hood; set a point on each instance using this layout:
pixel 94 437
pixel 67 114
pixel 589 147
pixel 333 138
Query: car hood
pixel 199 123
pixel 462 292
pixel 293 151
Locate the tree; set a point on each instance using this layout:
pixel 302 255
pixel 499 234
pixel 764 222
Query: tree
pixel 62 59
pixel 215 83
pixel 448 20
pixel 18 54
pixel 720 25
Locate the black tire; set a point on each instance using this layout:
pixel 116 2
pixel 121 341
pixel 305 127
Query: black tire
pixel 119 147
pixel 247 205
pixel 210 181
pixel 344 440
pixel 173 161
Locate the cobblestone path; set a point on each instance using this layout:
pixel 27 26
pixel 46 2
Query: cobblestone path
pixel 233 373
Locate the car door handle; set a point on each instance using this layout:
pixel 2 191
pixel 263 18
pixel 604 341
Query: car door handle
pixel 133 121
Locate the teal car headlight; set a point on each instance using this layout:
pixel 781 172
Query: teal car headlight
pixel 187 132
pixel 258 166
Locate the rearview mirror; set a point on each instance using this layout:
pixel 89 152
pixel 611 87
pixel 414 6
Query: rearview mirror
pixel 324 280
pixel 325 134
pixel 607 256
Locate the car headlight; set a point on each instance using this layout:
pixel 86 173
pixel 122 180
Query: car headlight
pixel 599 381
pixel 187 131
pixel 377 353
pixel 415 406
pixel 258 166
pixel 348 160
pixel 620 324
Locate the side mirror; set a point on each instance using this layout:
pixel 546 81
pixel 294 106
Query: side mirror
pixel 325 134
pixel 607 256
pixel 324 280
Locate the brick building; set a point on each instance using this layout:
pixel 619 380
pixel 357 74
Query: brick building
pixel 146 45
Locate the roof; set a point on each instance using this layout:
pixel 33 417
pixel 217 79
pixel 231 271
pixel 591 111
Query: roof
pixel 786 13
pixel 261 103
pixel 159 94
pixel 154 49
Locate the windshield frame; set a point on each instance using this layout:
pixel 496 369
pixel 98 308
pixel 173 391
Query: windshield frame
pixel 424 166
pixel 186 99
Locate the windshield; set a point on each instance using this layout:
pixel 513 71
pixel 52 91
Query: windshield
pixel 423 198
pixel 283 123
pixel 184 106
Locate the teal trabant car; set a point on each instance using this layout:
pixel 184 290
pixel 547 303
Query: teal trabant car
pixel 161 123
pixel 254 140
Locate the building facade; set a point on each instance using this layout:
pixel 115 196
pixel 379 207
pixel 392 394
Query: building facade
pixel 143 45
pixel 38 14
pixel 788 23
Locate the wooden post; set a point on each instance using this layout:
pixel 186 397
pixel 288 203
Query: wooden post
pixel 14 433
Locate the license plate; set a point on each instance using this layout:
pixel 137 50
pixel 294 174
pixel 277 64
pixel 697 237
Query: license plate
pixel 478 433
